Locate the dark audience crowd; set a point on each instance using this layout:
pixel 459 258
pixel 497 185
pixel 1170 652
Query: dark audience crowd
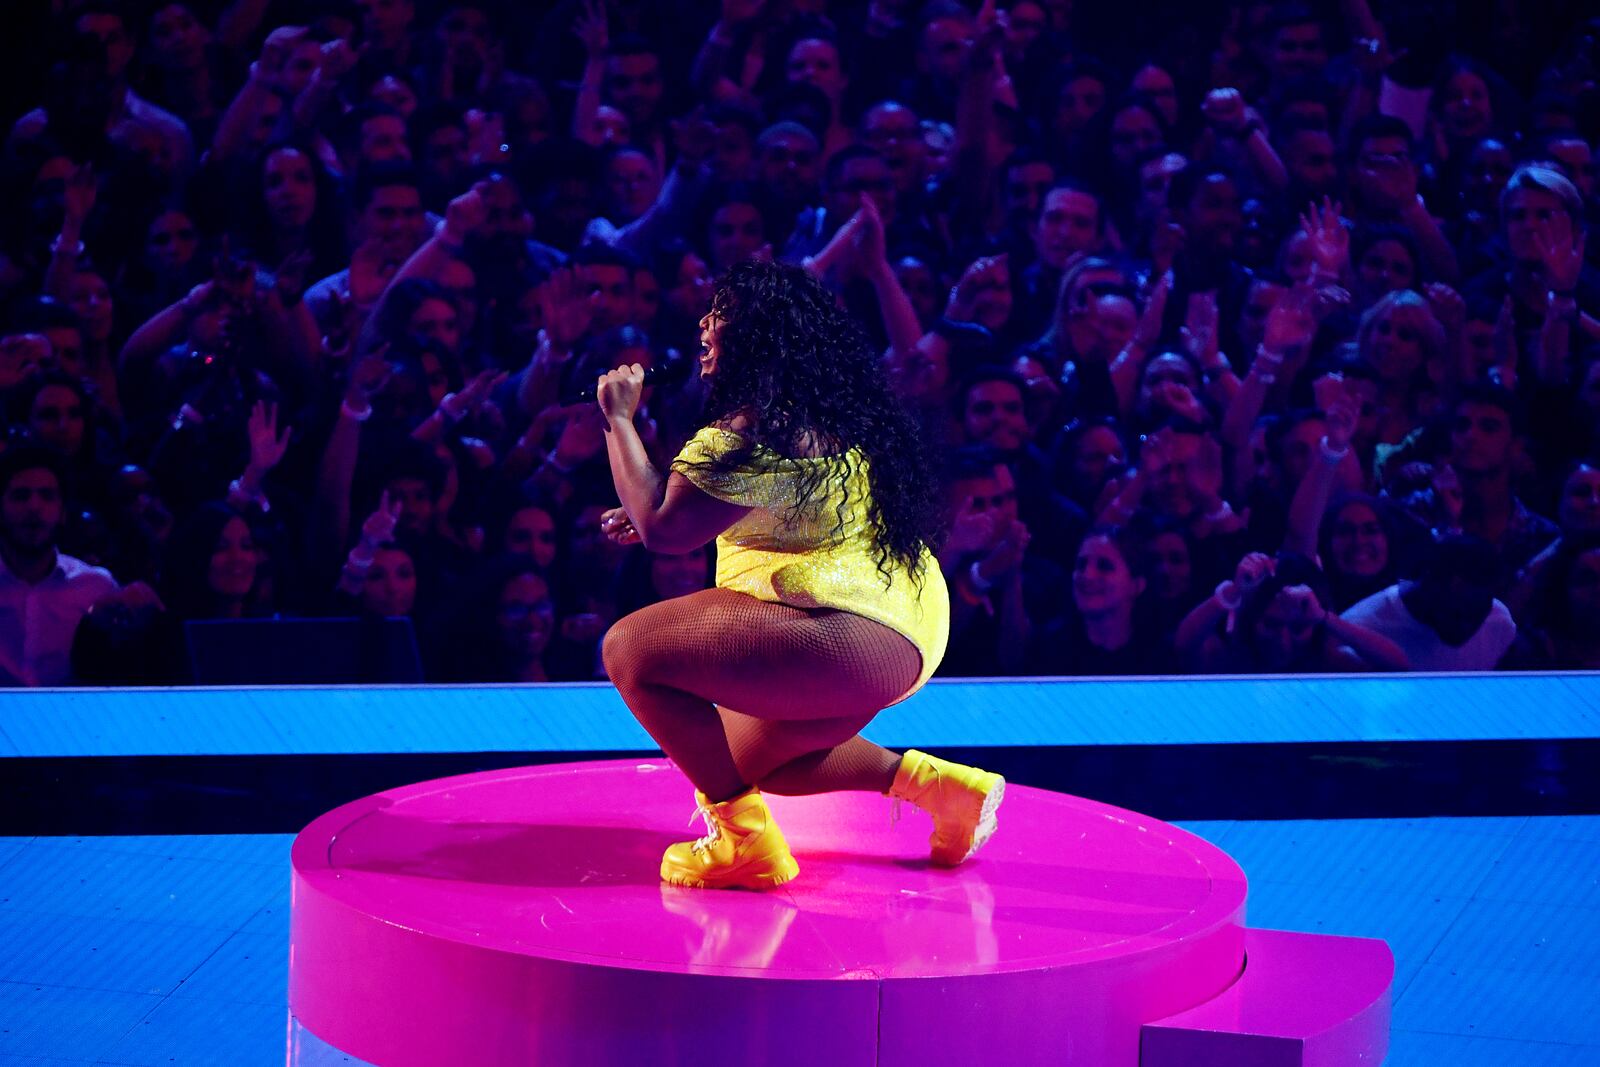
pixel 1251 336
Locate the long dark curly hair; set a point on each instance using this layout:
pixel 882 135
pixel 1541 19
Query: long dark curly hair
pixel 801 378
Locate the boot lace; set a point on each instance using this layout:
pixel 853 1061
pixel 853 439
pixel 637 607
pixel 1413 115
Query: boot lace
pixel 713 831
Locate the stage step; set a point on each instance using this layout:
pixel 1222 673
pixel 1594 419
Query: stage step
pixel 1304 1000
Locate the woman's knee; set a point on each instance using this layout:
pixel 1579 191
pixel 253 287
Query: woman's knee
pixel 619 652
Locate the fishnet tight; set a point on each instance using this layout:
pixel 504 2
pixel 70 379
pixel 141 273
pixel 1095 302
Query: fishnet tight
pixel 805 683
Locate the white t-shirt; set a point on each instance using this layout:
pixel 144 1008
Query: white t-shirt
pixel 37 622
pixel 1386 613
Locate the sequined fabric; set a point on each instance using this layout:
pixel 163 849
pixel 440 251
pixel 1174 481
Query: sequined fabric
pixel 802 560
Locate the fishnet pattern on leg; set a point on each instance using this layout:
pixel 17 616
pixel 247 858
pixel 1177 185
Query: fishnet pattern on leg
pixel 786 759
pixel 804 682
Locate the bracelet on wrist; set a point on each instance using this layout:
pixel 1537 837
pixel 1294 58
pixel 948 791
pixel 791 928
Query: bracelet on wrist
pixel 1228 596
pixel 58 243
pixel 563 468
pixel 451 415
pixel 443 235
pixel 1331 453
pixel 955 331
pixel 357 414
pixel 979 582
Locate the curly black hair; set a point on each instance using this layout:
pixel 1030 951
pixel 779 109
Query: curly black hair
pixel 800 376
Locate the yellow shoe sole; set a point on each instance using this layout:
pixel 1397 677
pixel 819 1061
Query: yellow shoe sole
pixel 785 873
pixel 983 830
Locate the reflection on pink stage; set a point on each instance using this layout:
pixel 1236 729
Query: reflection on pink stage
pixel 516 917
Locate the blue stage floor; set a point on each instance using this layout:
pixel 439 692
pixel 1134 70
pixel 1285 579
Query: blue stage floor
pixel 146 946
pixel 173 950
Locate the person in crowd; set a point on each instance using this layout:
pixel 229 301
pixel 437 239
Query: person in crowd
pixel 1271 618
pixel 1447 618
pixel 44 593
pixel 1109 632
pixel 1132 267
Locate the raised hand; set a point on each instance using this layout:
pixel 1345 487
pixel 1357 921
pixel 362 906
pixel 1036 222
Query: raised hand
pixel 1505 343
pixel 1330 241
pixel 466 214
pixel 1225 110
pixel 79 195
pixel 1007 554
pixel 473 395
pixel 583 436
pixel 369 375
pixel 289 281
pixel 979 275
pixel 1200 329
pixel 592 29
pixel 737 12
pixel 379 527
pixel 1447 493
pixel 1449 307
pixel 1181 401
pixel 1290 323
pixel 1301 605
pixel 1148 331
pixel 868 240
pixel 1340 410
pixel 267 446
pixel 1166 241
pixel 970 530
pixel 619 392
pixel 275 50
pixel 568 309
pixel 338 59
pixel 1563 260
pixel 1253 569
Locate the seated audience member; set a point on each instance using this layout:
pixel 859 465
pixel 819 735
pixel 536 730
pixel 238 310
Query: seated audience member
pixel 44 593
pixel 1447 619
pixel 1568 635
pixel 1270 619
pixel 500 626
pixel 999 586
pixel 650 577
pixel 1110 630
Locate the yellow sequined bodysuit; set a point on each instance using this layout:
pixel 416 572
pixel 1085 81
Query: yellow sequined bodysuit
pixel 805 563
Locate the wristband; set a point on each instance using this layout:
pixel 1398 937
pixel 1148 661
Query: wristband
pixel 1232 602
pixel 1331 453
pixel 551 460
pixel 358 414
pixel 961 332
pixel 979 582
pixel 445 409
pixel 357 564
pixel 258 498
pixel 442 235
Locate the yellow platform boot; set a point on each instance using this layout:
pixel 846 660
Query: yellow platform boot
pixel 961 799
pixel 743 848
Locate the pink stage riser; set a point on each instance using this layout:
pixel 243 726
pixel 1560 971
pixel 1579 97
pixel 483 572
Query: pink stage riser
pixel 516 917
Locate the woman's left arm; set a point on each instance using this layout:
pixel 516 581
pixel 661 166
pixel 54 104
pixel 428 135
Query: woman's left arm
pixel 1377 652
pixel 670 514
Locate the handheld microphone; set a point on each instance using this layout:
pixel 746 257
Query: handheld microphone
pixel 670 371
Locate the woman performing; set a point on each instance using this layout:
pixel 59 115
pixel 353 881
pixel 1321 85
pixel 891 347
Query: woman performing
pixel 829 604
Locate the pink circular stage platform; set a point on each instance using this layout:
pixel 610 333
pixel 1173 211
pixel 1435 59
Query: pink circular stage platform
pixel 516 917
